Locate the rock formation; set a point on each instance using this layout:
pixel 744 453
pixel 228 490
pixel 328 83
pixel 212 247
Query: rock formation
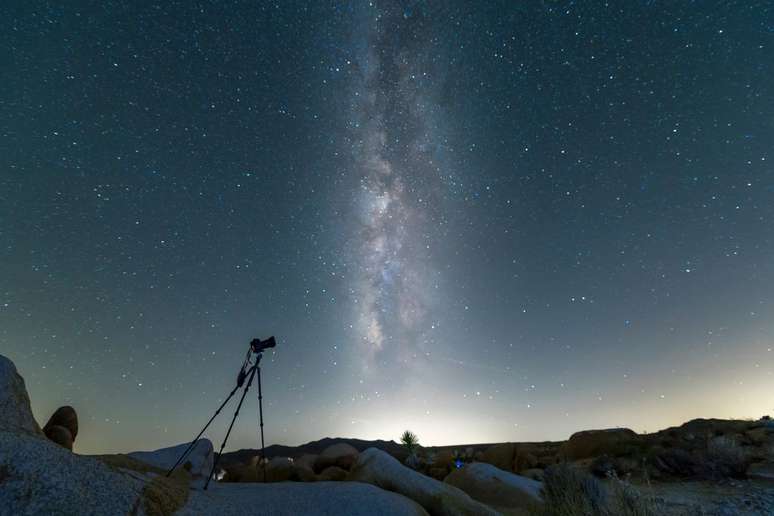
pixel 591 443
pixel 198 463
pixel 437 498
pixel 495 487
pixel 14 402
pixel 342 455
pixel 62 427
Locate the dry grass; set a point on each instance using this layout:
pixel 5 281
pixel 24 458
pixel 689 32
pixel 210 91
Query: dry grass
pixel 568 491
pixel 727 458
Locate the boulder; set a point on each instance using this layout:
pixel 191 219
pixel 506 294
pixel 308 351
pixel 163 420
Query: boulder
pixel 278 469
pixel 342 455
pixel 495 487
pixel 304 468
pixel 65 417
pixel 306 461
pixel 14 402
pixel 509 457
pixel 500 455
pixel 198 462
pixel 40 477
pixel 591 443
pixel 332 473
pixel 376 467
pixel 60 435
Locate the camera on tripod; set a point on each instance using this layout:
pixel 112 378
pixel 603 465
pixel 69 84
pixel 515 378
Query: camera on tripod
pixel 251 367
pixel 258 345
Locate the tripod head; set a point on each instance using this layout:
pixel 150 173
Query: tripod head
pixel 257 347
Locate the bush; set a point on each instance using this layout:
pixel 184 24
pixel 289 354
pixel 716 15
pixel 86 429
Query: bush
pixel 727 458
pixel 568 491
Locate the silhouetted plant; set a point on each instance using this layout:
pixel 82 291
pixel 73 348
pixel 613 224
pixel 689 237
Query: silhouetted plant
pixel 410 442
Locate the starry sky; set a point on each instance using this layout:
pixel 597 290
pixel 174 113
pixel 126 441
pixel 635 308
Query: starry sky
pixel 482 221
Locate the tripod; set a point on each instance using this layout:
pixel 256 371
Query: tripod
pixel 248 371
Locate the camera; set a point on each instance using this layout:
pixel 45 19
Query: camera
pixel 258 345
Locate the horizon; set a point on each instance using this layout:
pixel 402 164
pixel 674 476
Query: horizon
pixel 482 223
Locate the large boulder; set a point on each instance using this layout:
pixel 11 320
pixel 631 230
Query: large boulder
pixel 342 455
pixel 304 468
pixel 376 467
pixel 198 462
pixel 495 487
pixel 62 427
pixel 278 469
pixel 14 402
pixel 509 457
pixel 40 477
pixel 591 443
pixel 65 417
pixel 60 435
pixel 500 455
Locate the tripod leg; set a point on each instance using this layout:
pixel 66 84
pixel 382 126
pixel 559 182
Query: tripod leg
pixel 190 446
pixel 241 400
pixel 260 413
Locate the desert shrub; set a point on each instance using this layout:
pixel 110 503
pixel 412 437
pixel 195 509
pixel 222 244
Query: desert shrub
pixel 676 461
pixel 726 457
pixel 568 491
pixel 410 441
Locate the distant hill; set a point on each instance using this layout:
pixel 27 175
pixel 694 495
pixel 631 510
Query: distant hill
pixel 313 447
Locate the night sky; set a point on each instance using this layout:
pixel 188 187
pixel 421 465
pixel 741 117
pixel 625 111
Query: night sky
pixel 481 221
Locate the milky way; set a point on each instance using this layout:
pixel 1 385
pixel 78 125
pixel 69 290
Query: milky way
pixel 394 104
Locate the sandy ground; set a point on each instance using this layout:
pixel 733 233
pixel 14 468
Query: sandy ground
pixel 297 498
pixel 732 497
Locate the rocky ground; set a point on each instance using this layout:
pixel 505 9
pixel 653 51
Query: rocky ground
pixel 704 467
